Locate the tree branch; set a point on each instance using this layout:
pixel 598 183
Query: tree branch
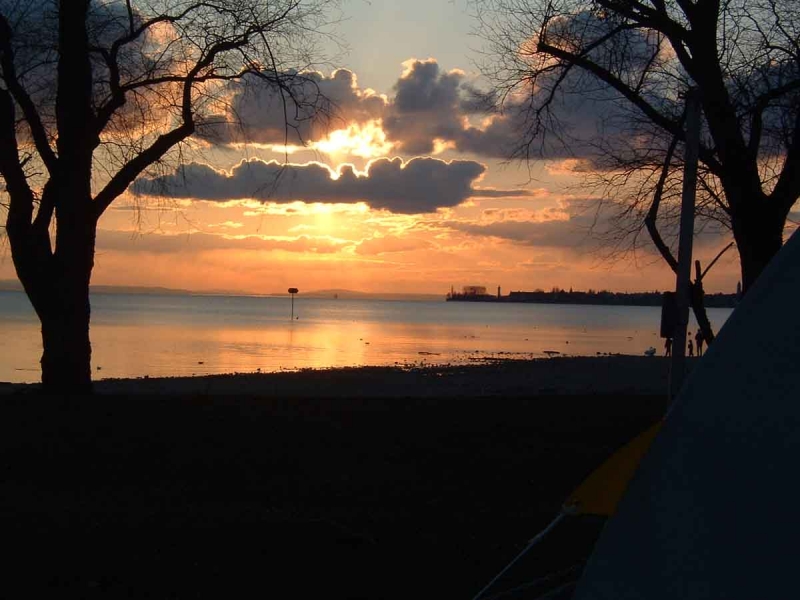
pixel 713 262
pixel 134 167
pixel 117 100
pixel 787 188
pixel 118 90
pixel 667 124
pixel 22 98
pixel 20 209
pixel 652 214
pixel 703 182
pixel 111 56
pixel 657 20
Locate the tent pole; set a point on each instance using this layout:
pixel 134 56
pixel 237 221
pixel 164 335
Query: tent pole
pixel 535 540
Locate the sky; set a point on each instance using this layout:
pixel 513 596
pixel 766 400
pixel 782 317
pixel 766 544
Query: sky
pixel 406 189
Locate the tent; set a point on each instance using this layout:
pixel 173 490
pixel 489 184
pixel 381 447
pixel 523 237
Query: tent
pixel 598 495
pixel 705 508
pixel 712 511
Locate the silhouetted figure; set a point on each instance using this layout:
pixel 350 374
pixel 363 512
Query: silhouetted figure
pixel 668 347
pixel 691 348
pixel 698 338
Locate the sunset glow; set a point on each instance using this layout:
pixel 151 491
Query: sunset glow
pixel 364 141
pixel 344 297
pixel 406 187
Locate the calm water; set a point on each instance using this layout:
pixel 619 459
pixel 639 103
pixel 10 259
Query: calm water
pixel 137 335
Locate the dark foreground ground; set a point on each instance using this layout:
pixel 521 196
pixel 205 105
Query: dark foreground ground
pixel 240 496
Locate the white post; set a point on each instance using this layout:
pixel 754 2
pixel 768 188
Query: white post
pixel 678 365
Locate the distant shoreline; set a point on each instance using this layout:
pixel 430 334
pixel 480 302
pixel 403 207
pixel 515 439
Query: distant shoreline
pixel 10 285
pixel 601 298
pixel 715 300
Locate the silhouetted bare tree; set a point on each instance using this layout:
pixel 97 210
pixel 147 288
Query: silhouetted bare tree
pixel 92 93
pixel 635 59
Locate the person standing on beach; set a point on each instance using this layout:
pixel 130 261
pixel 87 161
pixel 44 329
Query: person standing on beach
pixel 668 347
pixel 691 348
pixel 698 338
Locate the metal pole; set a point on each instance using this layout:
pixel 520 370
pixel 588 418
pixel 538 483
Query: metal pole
pixel 678 365
pixel 292 292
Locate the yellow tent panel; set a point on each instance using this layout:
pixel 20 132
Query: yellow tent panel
pixel 601 491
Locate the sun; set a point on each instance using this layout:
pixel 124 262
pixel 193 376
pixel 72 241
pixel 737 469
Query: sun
pixel 365 141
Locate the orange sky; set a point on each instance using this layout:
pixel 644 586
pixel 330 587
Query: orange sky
pixel 262 246
pixel 449 210
pixel 531 234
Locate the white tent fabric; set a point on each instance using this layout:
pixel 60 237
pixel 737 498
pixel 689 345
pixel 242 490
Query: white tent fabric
pixel 714 508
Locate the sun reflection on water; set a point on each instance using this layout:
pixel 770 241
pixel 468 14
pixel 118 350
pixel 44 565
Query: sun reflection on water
pixel 135 337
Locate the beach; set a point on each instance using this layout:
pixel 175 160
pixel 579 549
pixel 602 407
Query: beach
pixel 340 483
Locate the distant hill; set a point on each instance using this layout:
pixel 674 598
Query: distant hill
pixel 16 286
pixel 357 295
pixel 138 289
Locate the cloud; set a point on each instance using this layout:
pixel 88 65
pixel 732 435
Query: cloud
pixel 226 225
pixel 556 233
pixel 567 226
pixel 317 104
pixel 389 244
pixel 420 185
pixel 590 225
pixel 426 107
pixel 159 243
pixel 431 110
pixel 501 193
pixel 494 215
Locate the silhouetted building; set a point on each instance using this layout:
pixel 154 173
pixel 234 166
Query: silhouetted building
pixel 472 293
pixel 474 290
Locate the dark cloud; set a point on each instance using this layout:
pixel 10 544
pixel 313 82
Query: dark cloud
pixel 500 193
pixel 635 46
pixel 420 185
pixel 429 105
pixel 426 107
pixel 316 104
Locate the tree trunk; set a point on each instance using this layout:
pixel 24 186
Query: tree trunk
pixel 697 298
pixel 57 284
pixel 758 231
pixel 67 351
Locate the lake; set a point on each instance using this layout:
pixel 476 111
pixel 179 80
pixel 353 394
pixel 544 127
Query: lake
pixel 134 335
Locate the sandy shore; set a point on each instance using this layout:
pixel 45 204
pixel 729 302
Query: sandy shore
pixel 510 378
pixel 415 483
